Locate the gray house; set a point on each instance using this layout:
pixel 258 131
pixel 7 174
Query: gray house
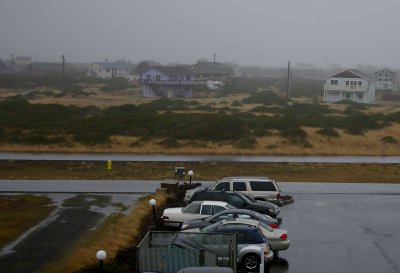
pixel 167 82
pixel 385 79
pixel 212 71
pixel 350 84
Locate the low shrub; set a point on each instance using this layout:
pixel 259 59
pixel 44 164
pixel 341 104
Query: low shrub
pixel 355 130
pixel 328 132
pixel 246 143
pixel 389 140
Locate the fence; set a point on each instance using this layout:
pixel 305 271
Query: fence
pixel 168 252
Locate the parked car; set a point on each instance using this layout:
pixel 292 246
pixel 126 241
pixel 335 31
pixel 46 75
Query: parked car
pixel 230 214
pixel 174 217
pixel 260 188
pixel 278 238
pixel 250 243
pixel 238 200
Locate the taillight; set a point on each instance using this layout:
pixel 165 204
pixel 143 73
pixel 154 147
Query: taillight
pixel 278 196
pixel 165 217
pixel 274 225
pixel 284 236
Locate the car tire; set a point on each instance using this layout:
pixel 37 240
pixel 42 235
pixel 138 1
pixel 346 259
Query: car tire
pixel 251 261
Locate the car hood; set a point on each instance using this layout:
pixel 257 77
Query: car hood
pixel 266 204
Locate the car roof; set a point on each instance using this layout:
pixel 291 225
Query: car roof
pixel 240 221
pixel 246 177
pixel 217 203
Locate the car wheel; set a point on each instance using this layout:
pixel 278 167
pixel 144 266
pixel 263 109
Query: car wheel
pixel 251 261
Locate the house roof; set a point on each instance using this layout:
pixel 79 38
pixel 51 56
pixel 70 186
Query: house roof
pixel 171 70
pixel 212 68
pixel 113 65
pixel 387 72
pixel 352 73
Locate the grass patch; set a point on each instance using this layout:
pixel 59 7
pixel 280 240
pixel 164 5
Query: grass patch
pixel 20 212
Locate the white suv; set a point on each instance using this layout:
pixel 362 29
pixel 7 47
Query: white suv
pixel 260 188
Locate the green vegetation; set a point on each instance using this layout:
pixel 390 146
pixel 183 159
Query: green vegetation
pixel 25 123
pixel 20 212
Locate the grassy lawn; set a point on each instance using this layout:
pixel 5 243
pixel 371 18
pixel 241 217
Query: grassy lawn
pixel 20 212
pixel 291 172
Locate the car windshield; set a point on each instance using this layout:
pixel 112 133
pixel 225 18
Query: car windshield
pixel 247 198
pixel 210 228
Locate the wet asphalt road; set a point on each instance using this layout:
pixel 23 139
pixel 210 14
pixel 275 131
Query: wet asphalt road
pixel 342 233
pixel 332 227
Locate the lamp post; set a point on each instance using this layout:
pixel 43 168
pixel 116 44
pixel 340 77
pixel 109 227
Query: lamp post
pixel 101 255
pixel 153 203
pixel 190 173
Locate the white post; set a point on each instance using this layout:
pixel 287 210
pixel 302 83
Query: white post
pixel 262 260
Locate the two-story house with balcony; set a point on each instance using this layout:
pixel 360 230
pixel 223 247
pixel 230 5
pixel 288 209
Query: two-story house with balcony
pixel 167 82
pixel 350 85
pixel 385 80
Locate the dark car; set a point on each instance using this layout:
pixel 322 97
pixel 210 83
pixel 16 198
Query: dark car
pixel 238 200
pixel 228 214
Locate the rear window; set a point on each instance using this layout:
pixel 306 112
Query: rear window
pixel 262 186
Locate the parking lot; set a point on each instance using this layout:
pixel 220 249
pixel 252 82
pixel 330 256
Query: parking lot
pixel 339 232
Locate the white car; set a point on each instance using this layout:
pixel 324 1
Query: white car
pixel 174 217
pixel 260 188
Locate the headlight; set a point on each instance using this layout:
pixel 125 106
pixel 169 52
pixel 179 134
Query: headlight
pixel 185 226
pixel 271 210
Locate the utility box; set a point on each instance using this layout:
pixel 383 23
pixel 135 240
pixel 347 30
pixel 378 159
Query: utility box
pixel 180 171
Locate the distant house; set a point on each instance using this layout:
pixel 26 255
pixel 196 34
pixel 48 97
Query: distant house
pixel 41 68
pixel 350 85
pixel 205 71
pixel 108 70
pixel 167 82
pixel 385 80
pixel 4 70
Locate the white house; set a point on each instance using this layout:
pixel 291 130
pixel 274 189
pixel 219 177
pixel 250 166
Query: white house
pixel 108 70
pixel 385 80
pixel 350 85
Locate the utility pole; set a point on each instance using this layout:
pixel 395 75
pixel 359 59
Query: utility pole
pixel 62 74
pixel 288 80
pixel 12 62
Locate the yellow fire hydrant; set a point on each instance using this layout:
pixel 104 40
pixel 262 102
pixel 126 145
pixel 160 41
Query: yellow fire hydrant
pixel 109 164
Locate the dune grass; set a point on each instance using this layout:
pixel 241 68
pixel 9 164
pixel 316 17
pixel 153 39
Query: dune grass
pixel 20 212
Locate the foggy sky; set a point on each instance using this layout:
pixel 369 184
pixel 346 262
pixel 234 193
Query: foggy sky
pixel 247 32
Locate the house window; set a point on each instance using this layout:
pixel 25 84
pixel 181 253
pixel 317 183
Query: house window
pixel 360 96
pixel 148 76
pixel 334 82
pixel 348 95
pixel 188 77
pixel 359 83
pixel 158 77
pixel 347 83
pixel 99 69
